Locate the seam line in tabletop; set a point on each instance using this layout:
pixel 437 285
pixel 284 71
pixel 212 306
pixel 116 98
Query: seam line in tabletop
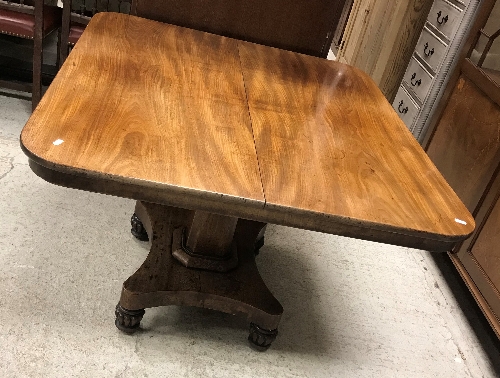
pixel 251 125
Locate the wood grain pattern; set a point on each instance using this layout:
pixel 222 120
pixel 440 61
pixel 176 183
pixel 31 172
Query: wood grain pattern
pixel 127 115
pixel 380 37
pixel 405 39
pixel 77 13
pixel 296 25
pixel 162 281
pixel 480 18
pixel 476 259
pixel 485 248
pixel 483 79
pixel 462 140
pixel 354 30
pixel 465 147
pixel 218 242
pixel 170 124
pixel 477 294
pixel 329 143
pixel 232 206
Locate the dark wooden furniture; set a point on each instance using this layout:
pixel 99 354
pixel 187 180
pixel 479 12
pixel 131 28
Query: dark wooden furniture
pixel 216 137
pixel 466 149
pixel 296 25
pixel 77 14
pixel 30 20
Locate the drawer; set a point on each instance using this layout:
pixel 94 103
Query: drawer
pixel 404 106
pixel 418 79
pixel 431 49
pixel 445 17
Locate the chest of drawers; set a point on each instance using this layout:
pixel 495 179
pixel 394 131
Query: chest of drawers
pixel 432 60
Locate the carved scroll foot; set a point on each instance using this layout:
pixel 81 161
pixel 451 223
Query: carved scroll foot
pixel 138 229
pixel 128 321
pixel 260 338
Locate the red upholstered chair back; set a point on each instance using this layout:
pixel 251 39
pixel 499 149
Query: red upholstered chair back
pixel 304 26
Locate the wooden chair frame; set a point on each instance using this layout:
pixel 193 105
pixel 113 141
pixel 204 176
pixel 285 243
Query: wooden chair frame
pixel 81 18
pixel 37 10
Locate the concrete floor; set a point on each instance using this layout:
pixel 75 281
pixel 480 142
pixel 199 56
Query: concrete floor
pixel 352 308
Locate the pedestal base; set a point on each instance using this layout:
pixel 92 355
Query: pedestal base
pixel 162 280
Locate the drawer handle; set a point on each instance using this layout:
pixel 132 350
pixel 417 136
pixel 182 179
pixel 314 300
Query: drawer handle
pixel 430 52
pixel 416 83
pixel 404 110
pixel 444 20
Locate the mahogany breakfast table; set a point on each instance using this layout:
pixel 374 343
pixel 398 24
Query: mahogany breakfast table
pixel 216 137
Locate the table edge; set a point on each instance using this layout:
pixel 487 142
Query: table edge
pixel 155 191
pixel 360 229
pixel 239 207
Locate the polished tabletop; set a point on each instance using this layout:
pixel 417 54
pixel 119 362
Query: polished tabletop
pixel 242 129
